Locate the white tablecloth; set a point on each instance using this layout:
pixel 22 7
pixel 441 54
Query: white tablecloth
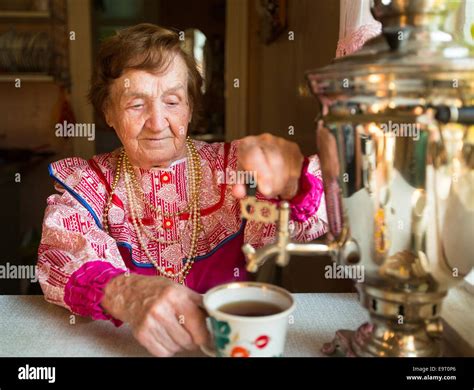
pixel 29 326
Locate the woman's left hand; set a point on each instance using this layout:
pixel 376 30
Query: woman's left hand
pixel 274 162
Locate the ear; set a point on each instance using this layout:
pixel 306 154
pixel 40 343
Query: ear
pixel 190 113
pixel 108 115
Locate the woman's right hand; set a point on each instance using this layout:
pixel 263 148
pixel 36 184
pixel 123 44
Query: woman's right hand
pixel 165 317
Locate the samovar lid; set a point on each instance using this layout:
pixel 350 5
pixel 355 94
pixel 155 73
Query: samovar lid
pixel 411 55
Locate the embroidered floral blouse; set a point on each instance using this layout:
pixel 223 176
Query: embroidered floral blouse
pixel 77 258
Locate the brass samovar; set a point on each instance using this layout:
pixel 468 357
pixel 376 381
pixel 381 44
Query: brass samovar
pixel 395 120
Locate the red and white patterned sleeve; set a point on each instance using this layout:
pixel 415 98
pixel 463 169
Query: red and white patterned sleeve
pixel 76 259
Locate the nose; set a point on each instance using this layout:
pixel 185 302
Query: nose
pixel 157 119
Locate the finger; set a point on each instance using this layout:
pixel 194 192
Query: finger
pixel 285 162
pixel 252 159
pixel 239 191
pixel 179 334
pixel 162 337
pixel 195 324
pixel 194 296
pixel 291 189
pixel 241 188
pixel 279 169
pixel 153 346
pixel 158 329
pixel 177 322
pixel 293 171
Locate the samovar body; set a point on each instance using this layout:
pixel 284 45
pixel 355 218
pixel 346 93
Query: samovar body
pixel 402 186
pixel 397 153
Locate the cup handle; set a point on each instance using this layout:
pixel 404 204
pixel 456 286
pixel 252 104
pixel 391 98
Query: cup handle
pixel 208 349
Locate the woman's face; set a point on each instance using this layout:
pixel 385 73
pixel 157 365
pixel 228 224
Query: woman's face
pixel 151 113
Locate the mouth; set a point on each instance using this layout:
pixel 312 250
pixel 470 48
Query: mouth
pixel 153 139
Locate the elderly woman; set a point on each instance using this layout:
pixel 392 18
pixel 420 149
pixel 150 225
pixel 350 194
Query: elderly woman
pixel 136 235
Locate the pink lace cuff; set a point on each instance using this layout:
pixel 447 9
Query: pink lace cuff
pixel 356 39
pixel 306 202
pixel 85 289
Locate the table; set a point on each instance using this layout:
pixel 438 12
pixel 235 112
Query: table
pixel 29 326
pixel 32 327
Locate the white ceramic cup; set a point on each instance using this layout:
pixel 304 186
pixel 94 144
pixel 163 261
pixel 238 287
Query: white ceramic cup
pixel 244 336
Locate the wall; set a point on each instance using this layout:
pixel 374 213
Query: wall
pixel 277 100
pixel 28 117
pixel 80 50
pixel 277 70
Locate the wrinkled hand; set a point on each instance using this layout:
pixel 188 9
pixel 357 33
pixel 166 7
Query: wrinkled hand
pixel 165 317
pixel 275 162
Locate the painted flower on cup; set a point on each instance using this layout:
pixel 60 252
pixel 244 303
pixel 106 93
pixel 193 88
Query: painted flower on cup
pixel 261 341
pixel 239 352
pixel 221 333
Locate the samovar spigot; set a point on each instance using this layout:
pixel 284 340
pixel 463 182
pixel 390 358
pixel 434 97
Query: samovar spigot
pixel 285 247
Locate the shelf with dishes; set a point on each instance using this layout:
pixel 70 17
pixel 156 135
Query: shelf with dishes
pixel 34 42
pixel 25 52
